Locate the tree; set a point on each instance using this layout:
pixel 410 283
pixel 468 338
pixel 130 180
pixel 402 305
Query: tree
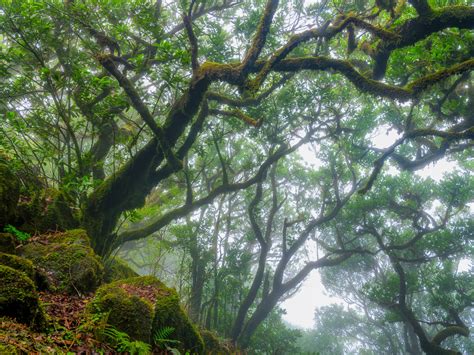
pixel 414 250
pixel 83 74
pixel 188 105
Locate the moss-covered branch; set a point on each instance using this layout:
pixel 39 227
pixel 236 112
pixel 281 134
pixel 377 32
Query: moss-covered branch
pixel 414 30
pixel 239 115
pixel 259 38
pixel 128 187
pixel 142 110
pixel 421 6
pixel 449 332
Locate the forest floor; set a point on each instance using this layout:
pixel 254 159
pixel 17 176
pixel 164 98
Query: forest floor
pixel 69 332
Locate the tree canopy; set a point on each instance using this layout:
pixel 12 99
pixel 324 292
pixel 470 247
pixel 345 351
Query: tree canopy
pixel 243 137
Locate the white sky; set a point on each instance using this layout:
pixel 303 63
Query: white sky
pixel 300 308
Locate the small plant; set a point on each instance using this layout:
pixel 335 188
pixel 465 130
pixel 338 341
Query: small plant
pixel 122 342
pixel 161 338
pixel 19 235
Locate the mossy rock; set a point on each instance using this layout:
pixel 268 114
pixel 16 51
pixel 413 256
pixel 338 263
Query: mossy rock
pixel 127 313
pixel 169 313
pixel 7 243
pixel 117 269
pixel 212 343
pixel 41 210
pixel 9 194
pixel 71 237
pixel 140 306
pixel 19 299
pixel 18 263
pixel 68 262
pixel 128 305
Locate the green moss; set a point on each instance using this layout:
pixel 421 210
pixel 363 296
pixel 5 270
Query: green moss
pixel 212 343
pixel 68 263
pixel 128 312
pixel 140 306
pixel 117 269
pixel 421 84
pixel 60 212
pixel 18 263
pixel 7 243
pixel 44 210
pixel 73 236
pixel 9 194
pixel 169 313
pixel 18 298
pixel 9 349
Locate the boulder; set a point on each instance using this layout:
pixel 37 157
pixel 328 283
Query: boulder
pixel 41 210
pixel 19 299
pixel 212 343
pixel 169 313
pixel 18 263
pixel 141 306
pixel 67 261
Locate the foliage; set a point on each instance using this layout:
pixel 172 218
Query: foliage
pixel 235 146
pixel 162 339
pixel 19 235
pixel 275 336
pixel 123 343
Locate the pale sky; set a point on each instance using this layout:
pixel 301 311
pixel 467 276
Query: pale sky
pixel 300 308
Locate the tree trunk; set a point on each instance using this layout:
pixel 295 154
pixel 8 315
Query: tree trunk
pixel 263 310
pixel 128 188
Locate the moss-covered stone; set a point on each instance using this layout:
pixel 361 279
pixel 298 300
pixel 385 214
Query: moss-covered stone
pixel 7 243
pixel 169 313
pixel 128 305
pixel 68 262
pixel 9 194
pixel 117 269
pixel 18 298
pixel 140 306
pixel 129 314
pixel 71 237
pixel 42 210
pixel 18 263
pixel 212 343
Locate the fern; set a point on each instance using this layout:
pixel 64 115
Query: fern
pixel 19 235
pixel 122 342
pixel 161 339
pixel 162 334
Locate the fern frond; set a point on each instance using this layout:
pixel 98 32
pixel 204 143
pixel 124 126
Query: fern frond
pixel 163 333
pixel 122 342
